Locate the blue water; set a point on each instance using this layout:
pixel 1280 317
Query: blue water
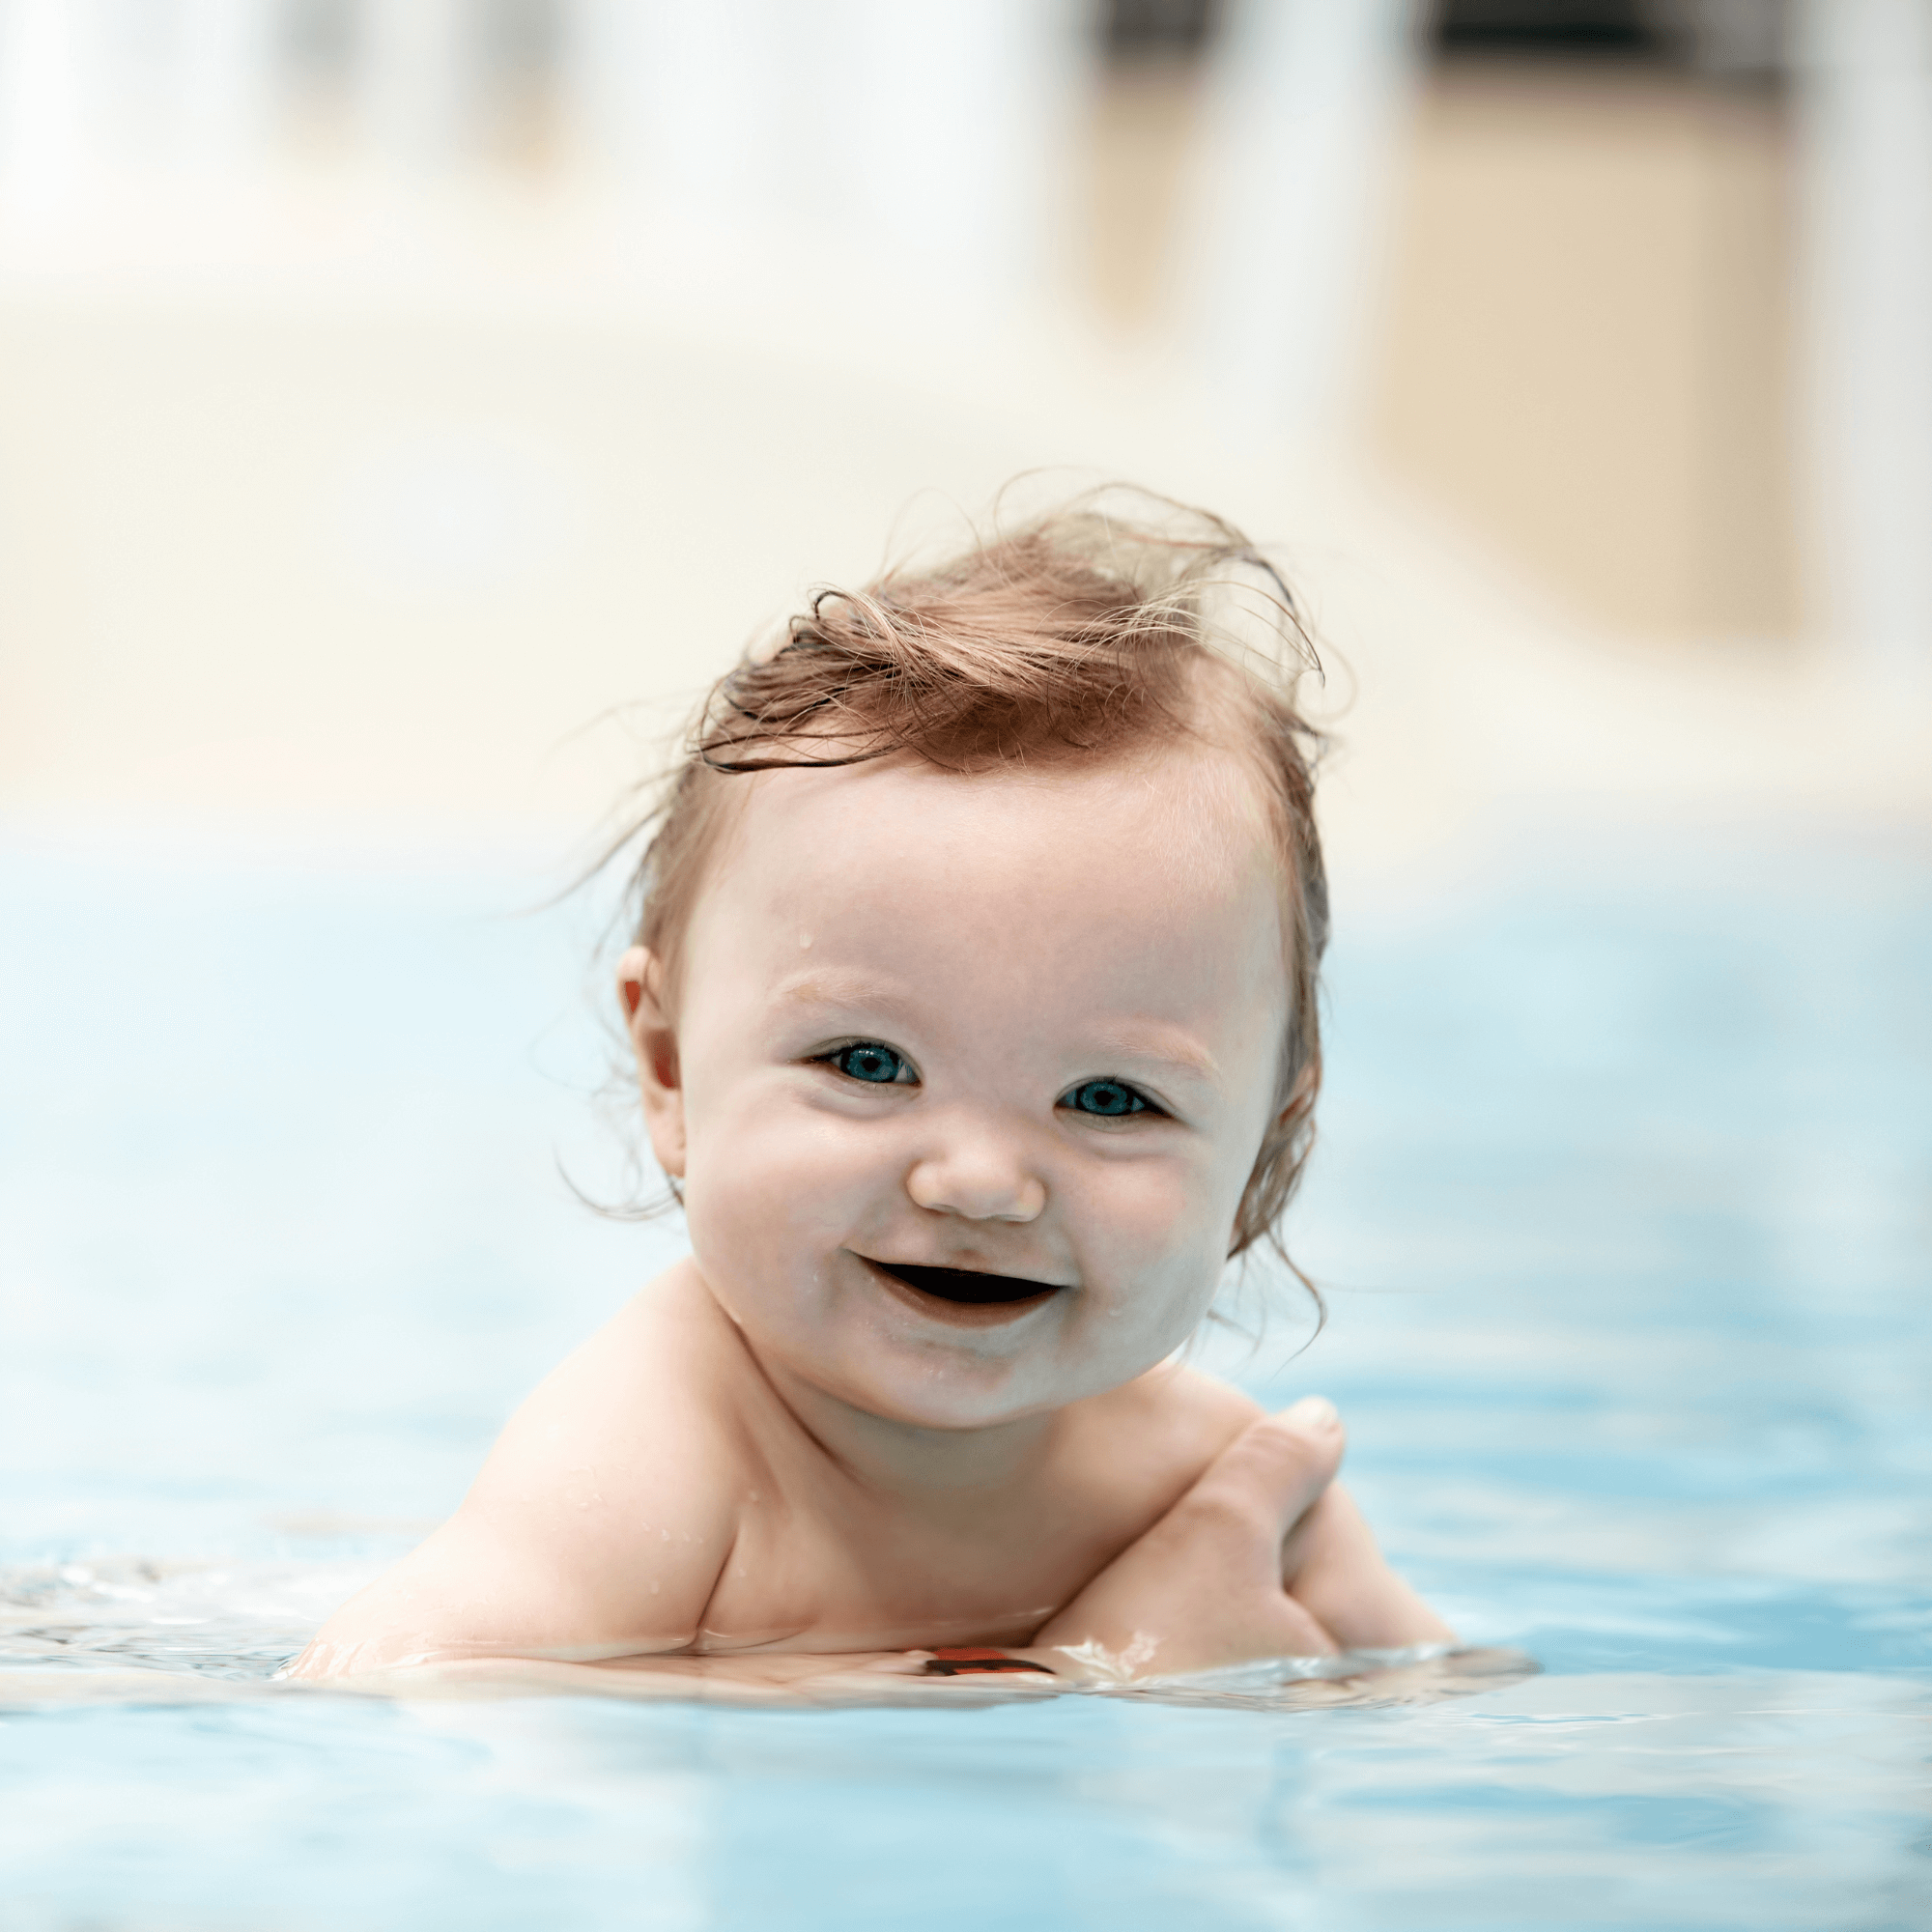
pixel 1625 1211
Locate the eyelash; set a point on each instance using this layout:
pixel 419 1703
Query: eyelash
pixel 1137 1101
pixel 837 1056
pixel 837 1059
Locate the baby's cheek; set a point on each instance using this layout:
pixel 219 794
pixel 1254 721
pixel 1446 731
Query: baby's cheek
pixel 1171 1203
pixel 1160 1217
pixel 763 1183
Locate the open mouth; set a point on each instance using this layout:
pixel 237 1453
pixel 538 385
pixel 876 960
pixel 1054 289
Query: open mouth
pixel 965 1294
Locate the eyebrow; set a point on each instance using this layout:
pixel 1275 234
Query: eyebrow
pixel 832 987
pixel 1148 1041
pixel 1162 1041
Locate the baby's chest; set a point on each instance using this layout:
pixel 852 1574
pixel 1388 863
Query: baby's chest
pixel 833 1582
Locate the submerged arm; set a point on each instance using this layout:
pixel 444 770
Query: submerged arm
pixel 1264 1556
pixel 495 1583
pixel 597 1528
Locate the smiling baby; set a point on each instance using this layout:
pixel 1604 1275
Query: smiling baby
pixel 973 1006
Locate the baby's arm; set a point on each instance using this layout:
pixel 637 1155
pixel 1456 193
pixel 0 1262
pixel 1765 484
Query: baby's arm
pixel 598 1527
pixel 1264 1556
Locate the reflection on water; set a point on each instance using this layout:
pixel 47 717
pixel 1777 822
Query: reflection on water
pixel 1622 1210
pixel 147 1632
pixel 239 1622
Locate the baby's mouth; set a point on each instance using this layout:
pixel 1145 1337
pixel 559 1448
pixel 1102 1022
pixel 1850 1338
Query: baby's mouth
pixel 968 1296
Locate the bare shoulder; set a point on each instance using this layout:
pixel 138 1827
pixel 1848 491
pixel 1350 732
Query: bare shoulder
pixel 644 1411
pixel 602 1519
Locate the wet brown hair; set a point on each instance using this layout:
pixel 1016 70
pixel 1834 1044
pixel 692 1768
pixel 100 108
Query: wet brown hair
pixel 1112 625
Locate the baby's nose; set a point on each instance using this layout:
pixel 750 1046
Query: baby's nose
pixel 978 1177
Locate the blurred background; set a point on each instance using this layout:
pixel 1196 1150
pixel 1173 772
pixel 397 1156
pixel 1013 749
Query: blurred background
pixel 390 388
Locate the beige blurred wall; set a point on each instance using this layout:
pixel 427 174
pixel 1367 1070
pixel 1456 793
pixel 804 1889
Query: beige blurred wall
pixel 1584 353
pixel 1587 355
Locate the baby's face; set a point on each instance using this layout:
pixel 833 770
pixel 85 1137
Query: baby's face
pixel 970 1074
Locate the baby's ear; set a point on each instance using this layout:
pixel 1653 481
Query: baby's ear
pixel 654 1040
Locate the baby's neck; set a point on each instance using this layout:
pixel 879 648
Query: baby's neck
pixel 917 1464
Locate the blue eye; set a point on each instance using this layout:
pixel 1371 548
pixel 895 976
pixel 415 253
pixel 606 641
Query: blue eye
pixel 1109 1099
pixel 867 1060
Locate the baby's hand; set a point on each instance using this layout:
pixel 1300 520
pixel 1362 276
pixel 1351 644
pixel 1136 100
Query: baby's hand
pixel 1210 1584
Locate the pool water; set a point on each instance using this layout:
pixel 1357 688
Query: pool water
pixel 1624 1210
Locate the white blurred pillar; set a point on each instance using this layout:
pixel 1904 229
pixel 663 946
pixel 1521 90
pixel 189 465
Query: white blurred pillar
pixel 686 104
pixel 604 85
pixel 948 125
pixel 1308 111
pixel 924 133
pixel 50 87
pixel 414 72
pixel 1866 72
pixel 227 81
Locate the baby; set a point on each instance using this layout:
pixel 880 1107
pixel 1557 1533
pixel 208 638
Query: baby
pixel 973 1008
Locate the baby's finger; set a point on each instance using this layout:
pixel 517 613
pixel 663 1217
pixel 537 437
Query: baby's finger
pixel 1274 1470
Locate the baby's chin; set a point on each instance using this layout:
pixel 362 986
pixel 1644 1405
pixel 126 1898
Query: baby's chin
pixel 950 1378
pixel 932 1348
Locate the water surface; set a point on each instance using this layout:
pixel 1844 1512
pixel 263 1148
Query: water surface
pixel 1624 1212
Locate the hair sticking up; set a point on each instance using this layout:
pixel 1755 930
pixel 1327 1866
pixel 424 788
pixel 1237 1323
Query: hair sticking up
pixel 1117 622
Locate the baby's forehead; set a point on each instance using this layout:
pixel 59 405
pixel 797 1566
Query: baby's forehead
pixel 1191 807
pixel 1079 868
pixel 1134 887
